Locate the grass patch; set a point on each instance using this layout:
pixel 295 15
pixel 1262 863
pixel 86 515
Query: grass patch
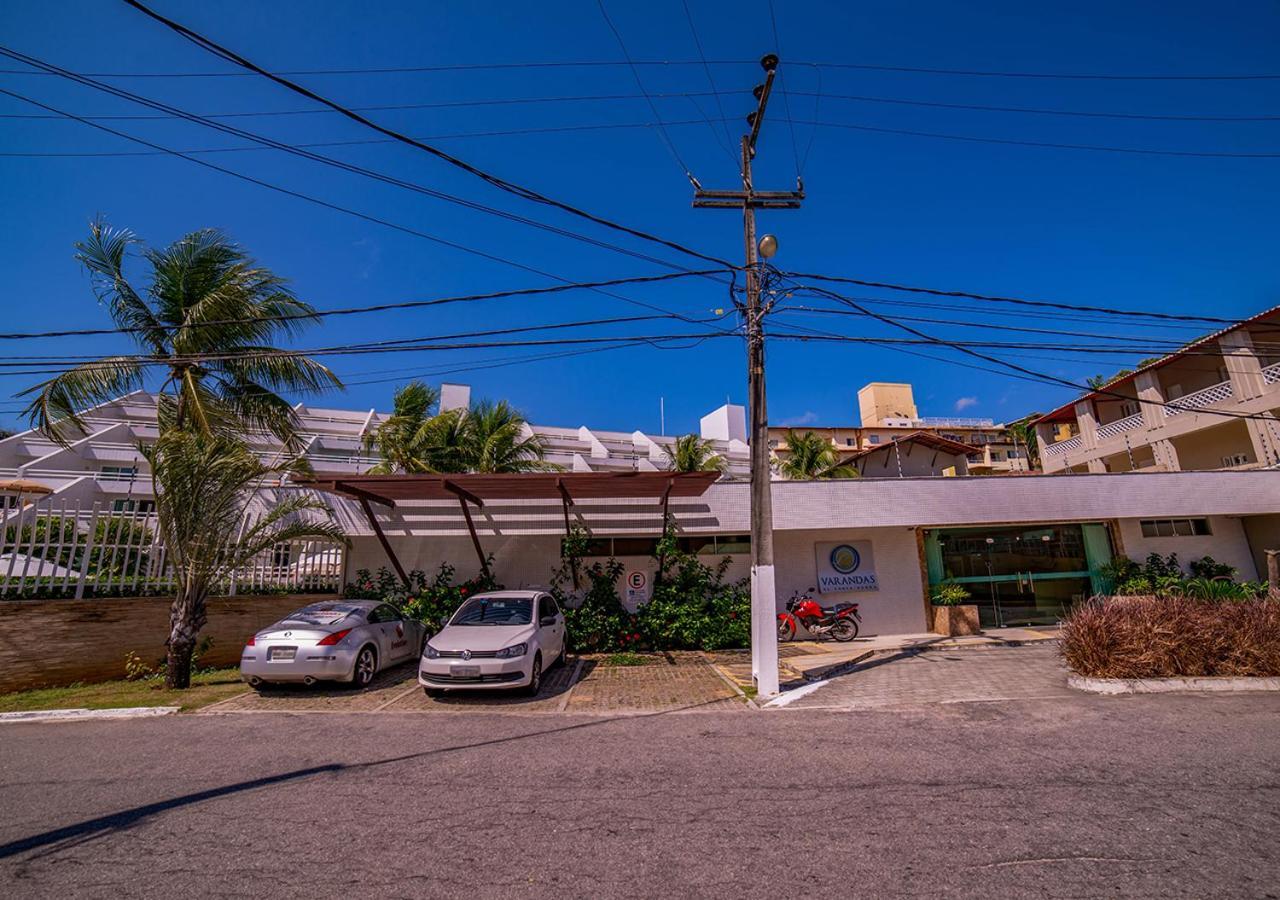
pixel 206 687
pixel 626 658
pixel 749 690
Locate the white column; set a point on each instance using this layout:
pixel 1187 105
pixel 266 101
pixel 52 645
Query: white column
pixel 1152 396
pixel 764 630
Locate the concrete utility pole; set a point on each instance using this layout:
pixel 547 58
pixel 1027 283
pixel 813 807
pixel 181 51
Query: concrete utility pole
pixel 764 635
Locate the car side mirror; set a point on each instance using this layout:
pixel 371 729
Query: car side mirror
pixel 547 620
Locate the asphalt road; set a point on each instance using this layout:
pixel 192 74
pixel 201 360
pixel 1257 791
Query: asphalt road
pixel 1084 797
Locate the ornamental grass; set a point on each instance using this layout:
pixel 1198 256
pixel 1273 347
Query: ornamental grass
pixel 1167 637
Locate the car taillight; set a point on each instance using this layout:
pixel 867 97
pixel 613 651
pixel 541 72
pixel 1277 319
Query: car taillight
pixel 249 643
pixel 333 638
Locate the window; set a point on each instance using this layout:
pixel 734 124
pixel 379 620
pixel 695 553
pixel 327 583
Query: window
pixel 1175 527
pixel 1011 454
pixel 996 456
pixel 848 442
pixel 1235 459
pixel 383 613
pixel 874 439
pixel 124 506
pixel 119 473
pixel 1129 408
pixel 551 608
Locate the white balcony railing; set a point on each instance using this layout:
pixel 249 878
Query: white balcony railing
pixel 1271 374
pixel 1064 446
pixel 1213 394
pixel 1119 426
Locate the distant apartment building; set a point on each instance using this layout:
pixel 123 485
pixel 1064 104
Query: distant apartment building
pixel 920 445
pixel 104 465
pixel 1211 405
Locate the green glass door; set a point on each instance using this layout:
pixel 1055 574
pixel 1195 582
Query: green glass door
pixel 1020 575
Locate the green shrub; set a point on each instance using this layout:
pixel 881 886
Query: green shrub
pixel 430 601
pixel 599 623
pixel 949 594
pixel 1208 567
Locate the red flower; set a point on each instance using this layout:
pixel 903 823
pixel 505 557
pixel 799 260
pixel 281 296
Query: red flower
pixel 635 637
pixel 462 591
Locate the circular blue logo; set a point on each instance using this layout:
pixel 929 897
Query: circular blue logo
pixel 844 559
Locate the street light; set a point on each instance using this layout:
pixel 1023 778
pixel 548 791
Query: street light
pixel 768 246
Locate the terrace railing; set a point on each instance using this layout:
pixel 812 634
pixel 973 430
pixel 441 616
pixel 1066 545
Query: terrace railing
pixel 1120 426
pixel 1216 393
pixel 1063 446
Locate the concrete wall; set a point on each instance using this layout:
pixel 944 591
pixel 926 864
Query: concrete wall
pixel 1227 544
pixel 896 608
pixel 1264 534
pixel 55 642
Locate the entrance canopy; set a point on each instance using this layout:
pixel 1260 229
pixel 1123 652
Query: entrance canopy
pixel 468 490
pixel 388 490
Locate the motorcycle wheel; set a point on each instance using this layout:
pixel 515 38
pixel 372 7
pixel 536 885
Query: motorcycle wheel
pixel 844 630
pixel 786 629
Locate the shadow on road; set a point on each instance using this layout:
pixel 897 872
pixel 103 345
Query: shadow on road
pixel 101 826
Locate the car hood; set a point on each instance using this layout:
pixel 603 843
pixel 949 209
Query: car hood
pixel 481 637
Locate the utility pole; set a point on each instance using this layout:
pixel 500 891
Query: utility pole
pixel 764 610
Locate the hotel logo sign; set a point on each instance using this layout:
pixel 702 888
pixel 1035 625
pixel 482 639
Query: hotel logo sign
pixel 846 566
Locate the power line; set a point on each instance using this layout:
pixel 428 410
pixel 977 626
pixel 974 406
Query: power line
pixel 727 143
pixel 325 203
pixel 498 182
pixel 786 99
pixel 862 98
pixel 1070 76
pixel 1050 145
pixel 1020 301
pixel 355 310
pixel 328 160
pixel 635 73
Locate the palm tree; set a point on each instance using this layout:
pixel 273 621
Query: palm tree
pixel 414 438
pixel 691 453
pixel 203 484
pixel 207 319
pixel 494 437
pixel 1024 433
pixel 811 456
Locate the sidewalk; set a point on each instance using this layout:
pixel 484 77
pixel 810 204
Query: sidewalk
pixel 805 661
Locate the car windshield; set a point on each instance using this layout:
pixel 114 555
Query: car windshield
pixel 495 611
pixel 321 615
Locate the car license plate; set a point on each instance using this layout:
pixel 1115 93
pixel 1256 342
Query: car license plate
pixel 465 671
pixel 281 654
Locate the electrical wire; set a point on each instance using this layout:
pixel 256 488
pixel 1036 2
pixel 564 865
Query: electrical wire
pixel 325 203
pixel 498 182
pixel 727 143
pixel 1050 145
pixel 1068 76
pixel 786 99
pixel 635 73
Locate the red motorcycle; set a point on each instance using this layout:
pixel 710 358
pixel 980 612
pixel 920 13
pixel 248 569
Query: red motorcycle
pixel 840 621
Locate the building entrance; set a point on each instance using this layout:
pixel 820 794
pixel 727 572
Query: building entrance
pixel 1020 575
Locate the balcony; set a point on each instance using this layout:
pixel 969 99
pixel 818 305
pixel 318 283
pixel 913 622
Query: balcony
pixel 1063 446
pixel 1217 393
pixel 1119 426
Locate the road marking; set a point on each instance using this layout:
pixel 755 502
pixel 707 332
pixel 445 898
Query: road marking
pixel 72 715
pixel 573 683
pixel 795 694
pixel 405 693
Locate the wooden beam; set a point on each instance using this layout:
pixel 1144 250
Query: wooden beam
pixel 462 493
pixel 566 500
pixel 475 538
pixel 382 539
pixel 362 495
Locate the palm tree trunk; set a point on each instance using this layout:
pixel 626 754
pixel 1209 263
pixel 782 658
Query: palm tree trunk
pixel 186 618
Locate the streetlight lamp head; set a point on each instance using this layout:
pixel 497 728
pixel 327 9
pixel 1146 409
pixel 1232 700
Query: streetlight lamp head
pixel 768 245
pixel 769 62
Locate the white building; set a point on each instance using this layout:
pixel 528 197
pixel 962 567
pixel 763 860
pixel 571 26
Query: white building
pixel 104 465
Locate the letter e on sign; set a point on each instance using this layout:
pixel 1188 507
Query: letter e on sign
pixel 637 586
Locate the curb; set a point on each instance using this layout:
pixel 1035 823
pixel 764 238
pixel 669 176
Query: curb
pixel 74 715
pixel 1206 684
pixel 836 669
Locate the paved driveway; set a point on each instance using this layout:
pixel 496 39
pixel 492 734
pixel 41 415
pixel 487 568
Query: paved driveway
pixel 666 683
pixel 912 680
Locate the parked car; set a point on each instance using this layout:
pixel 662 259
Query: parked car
pixel 502 639
pixel 347 641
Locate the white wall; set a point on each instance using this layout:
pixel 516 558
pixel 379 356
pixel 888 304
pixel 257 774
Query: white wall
pixel 1227 544
pixel 896 608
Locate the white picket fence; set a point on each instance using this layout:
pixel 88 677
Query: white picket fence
pixel 62 549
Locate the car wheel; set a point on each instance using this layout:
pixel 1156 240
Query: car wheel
pixel 366 667
pixel 535 676
pixel 564 654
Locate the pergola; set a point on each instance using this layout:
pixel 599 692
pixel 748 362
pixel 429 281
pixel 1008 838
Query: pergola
pixel 475 490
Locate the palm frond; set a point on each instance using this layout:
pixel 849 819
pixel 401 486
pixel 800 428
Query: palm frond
pixel 58 402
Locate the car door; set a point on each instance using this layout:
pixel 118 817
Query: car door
pixel 550 628
pixel 395 631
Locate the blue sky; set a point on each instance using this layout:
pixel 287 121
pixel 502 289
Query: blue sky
pixel 1195 235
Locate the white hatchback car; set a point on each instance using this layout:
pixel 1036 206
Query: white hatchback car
pixel 495 640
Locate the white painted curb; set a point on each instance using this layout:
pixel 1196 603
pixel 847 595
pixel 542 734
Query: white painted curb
pixel 1172 685
pixel 794 694
pixel 74 715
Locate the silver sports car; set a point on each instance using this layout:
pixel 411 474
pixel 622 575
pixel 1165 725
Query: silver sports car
pixel 347 640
